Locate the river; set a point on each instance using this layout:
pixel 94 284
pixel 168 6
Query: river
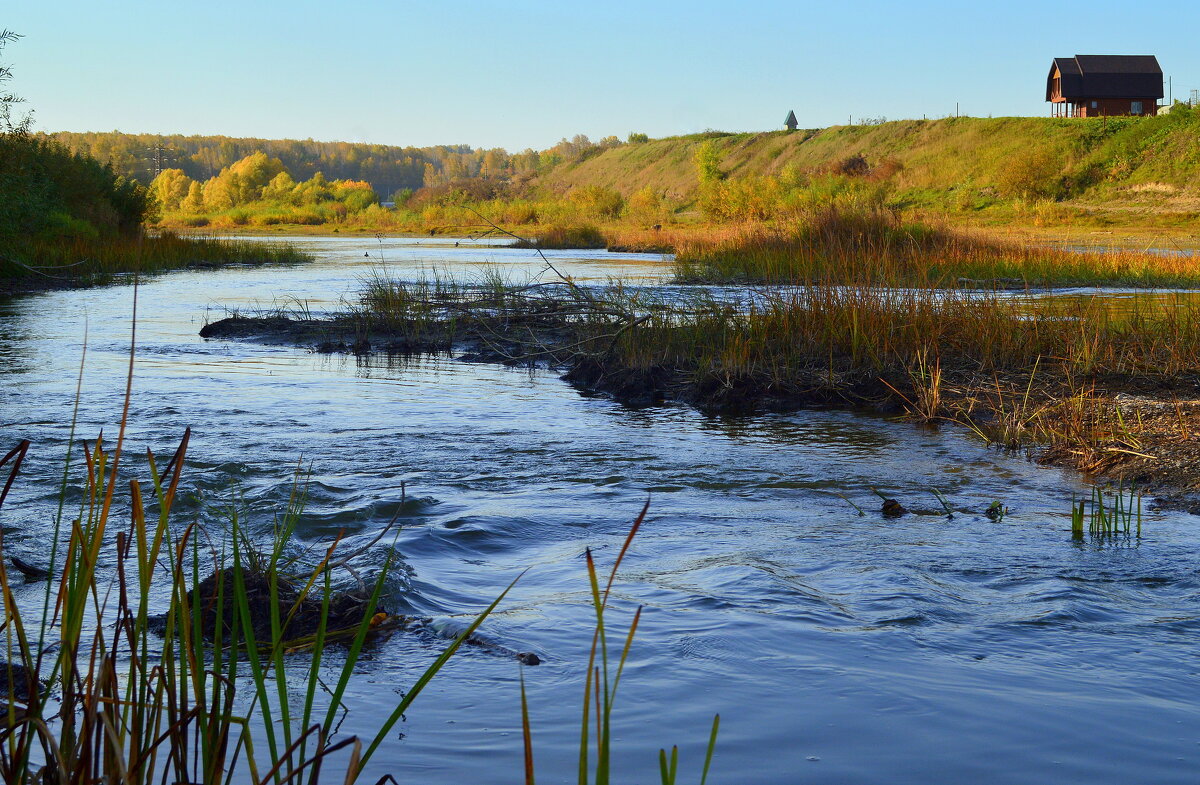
pixel 837 648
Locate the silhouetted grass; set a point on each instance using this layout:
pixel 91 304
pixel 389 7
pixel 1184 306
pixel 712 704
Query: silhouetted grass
pixel 57 262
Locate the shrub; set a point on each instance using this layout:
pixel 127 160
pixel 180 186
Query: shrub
pixel 852 166
pixel 1036 174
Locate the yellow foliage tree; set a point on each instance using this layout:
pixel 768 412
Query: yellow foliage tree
pixel 280 188
pixel 222 191
pixel 194 201
pixel 170 188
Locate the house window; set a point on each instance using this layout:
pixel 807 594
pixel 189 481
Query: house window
pixel 1135 107
pixel 1095 104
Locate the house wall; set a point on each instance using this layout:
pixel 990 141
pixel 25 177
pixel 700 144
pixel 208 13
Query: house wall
pixel 1115 107
pixel 1104 107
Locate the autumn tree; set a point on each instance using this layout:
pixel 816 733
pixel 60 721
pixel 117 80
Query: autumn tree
pixel 646 205
pixel 194 201
pixel 170 188
pixel 280 188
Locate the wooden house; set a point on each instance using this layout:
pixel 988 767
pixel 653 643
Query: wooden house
pixel 1104 85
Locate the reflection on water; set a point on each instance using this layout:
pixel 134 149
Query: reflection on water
pixel 838 648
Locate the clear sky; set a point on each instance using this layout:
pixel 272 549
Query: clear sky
pixel 525 73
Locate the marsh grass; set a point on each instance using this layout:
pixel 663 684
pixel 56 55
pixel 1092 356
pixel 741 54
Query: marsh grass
pixel 133 698
pixel 1108 513
pixel 565 236
pixel 922 334
pixel 81 261
pixel 1016 369
pixel 837 244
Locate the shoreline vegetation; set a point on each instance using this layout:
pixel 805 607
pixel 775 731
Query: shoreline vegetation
pixel 262 649
pixel 67 220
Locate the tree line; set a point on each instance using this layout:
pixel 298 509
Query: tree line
pixel 387 169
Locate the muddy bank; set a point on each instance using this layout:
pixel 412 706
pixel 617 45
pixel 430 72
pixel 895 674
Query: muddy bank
pixel 342 334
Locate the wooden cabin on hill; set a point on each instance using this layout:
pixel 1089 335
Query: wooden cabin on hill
pixel 1104 86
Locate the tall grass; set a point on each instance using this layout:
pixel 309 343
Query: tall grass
pixel 85 260
pixel 878 329
pixel 101 689
pixel 566 236
pixel 851 245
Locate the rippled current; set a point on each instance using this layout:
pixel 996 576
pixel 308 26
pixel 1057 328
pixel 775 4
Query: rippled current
pixel 837 648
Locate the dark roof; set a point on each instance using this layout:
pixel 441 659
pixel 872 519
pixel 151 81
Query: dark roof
pixel 1107 76
pixel 791 118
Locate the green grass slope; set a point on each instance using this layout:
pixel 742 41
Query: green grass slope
pixel 964 163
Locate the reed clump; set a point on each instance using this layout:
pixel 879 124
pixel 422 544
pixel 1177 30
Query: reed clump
pixel 1108 513
pixel 101 690
pixel 1019 370
pixel 565 236
pixel 1088 380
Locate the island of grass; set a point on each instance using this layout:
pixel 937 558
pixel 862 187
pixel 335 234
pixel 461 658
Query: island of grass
pixel 1107 388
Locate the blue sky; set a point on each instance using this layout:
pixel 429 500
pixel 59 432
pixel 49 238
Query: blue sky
pixel 524 74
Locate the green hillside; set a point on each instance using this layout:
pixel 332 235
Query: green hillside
pixel 957 163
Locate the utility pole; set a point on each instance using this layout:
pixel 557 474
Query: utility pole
pixel 159 158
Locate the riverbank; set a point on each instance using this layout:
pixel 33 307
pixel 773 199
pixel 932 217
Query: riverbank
pixel 1049 245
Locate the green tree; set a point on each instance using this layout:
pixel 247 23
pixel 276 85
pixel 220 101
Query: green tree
pixel 280 188
pixel 646 205
pixel 10 101
pixel 254 173
pixel 708 163
pixel 222 191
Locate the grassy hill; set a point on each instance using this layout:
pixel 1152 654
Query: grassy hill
pixel 958 164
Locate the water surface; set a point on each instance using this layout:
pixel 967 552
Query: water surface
pixel 837 648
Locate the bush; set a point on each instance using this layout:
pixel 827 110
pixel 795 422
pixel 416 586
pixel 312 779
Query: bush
pixel 852 166
pixel 1036 174
pixel 42 181
pixel 597 201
